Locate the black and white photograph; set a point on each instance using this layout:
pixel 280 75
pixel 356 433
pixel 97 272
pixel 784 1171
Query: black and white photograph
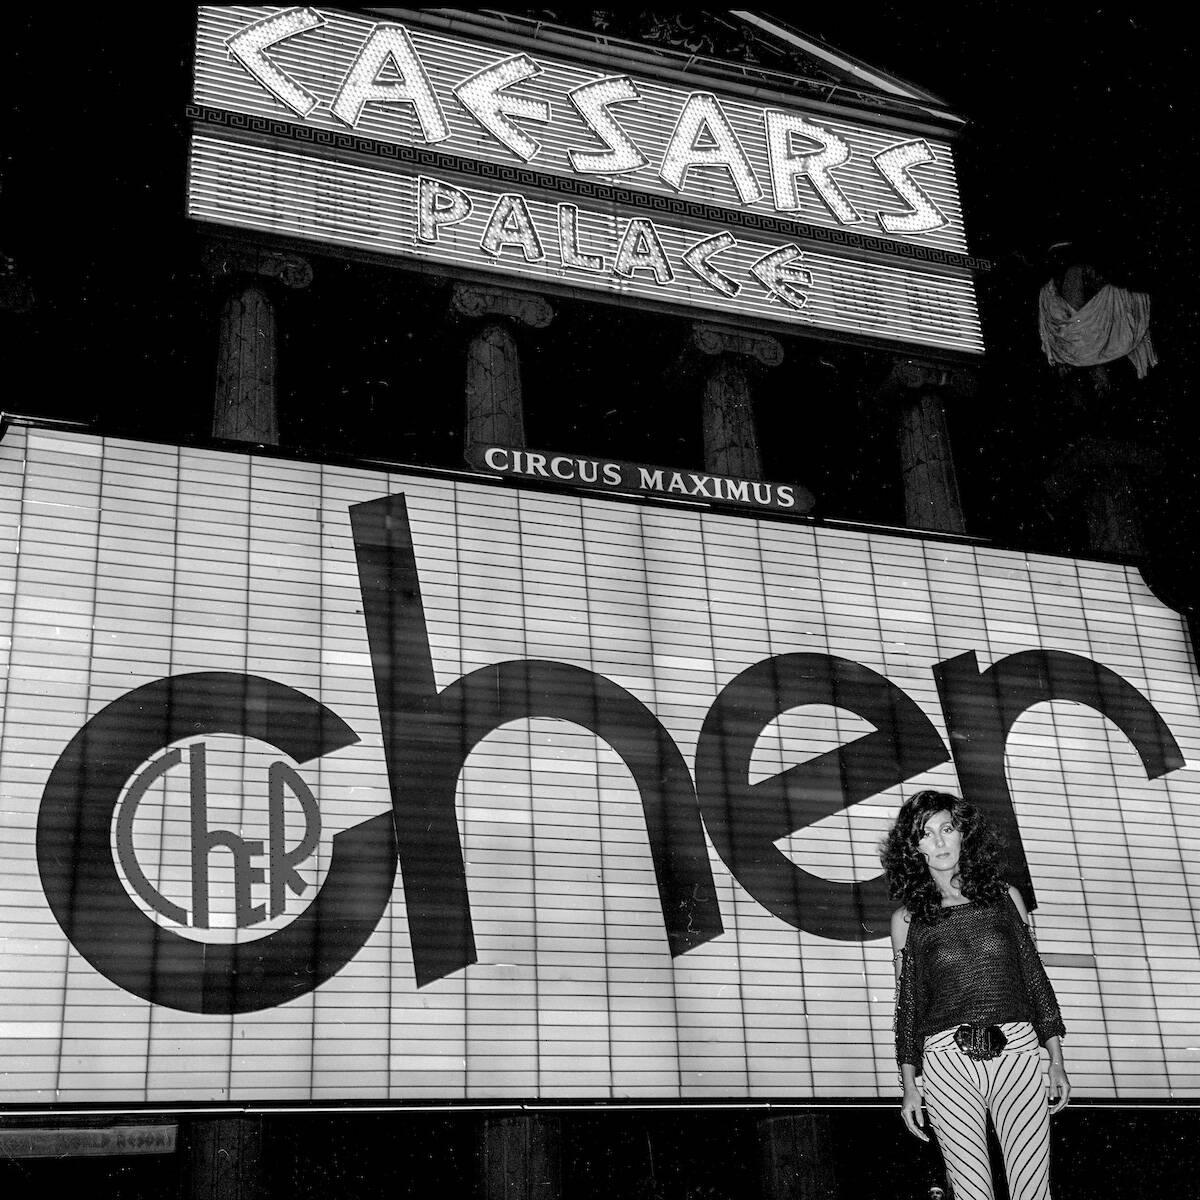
pixel 599 604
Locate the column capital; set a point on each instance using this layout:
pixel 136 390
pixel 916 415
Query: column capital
pixel 524 308
pixel 229 259
pixel 721 339
pixel 909 374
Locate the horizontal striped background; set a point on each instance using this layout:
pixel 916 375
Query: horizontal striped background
pixel 122 562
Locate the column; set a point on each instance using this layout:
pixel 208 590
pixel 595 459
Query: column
pixel 495 414
pixel 794 1151
pixel 224 1157
pixel 246 404
pixel 796 1157
pixel 920 389
pixel 730 431
pixel 520 1157
pixel 1104 476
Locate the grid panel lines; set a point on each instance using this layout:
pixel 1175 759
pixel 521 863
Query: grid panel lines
pixel 247 566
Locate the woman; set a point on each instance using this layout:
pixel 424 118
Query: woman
pixel 972 1000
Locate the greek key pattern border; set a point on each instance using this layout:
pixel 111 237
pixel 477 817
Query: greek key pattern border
pixel 584 189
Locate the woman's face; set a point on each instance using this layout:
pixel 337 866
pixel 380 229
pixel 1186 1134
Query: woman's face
pixel 941 842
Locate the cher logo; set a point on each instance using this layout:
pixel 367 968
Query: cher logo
pixel 149 944
pixel 100 780
pixel 269 865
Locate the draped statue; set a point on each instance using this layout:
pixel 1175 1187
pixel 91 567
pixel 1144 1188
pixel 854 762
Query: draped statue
pixel 1086 324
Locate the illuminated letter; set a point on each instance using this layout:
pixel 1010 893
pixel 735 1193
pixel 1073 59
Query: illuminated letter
pixel 788 165
pixel 612 474
pixel 702 114
pixel 650 479
pixel 481 95
pixel 511 225
pixel 592 101
pixel 696 258
pixel 554 468
pixel 427 736
pixel 249 47
pixel 568 242
pixel 641 248
pixel 439 204
pixel 746 819
pixel 981 708
pixel 894 164
pixel 361 86
pixel 775 271
pixel 496 466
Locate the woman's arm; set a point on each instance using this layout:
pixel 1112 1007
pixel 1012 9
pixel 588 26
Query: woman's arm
pixel 1018 903
pixel 899 939
pixel 911 1107
pixel 1059 1084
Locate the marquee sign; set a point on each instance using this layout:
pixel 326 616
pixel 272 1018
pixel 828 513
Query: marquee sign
pixel 396 138
pixel 335 784
pixel 614 476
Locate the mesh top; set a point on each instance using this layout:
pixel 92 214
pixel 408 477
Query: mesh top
pixel 973 964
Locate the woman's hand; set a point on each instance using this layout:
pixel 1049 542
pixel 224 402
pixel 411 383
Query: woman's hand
pixel 1060 1087
pixel 912 1112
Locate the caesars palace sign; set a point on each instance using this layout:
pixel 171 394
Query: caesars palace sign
pixel 396 138
pixel 324 781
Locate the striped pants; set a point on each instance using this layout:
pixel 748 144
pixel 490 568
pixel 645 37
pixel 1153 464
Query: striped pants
pixel 960 1092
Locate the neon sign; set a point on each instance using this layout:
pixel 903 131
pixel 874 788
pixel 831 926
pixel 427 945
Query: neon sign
pixel 395 138
pixel 387 70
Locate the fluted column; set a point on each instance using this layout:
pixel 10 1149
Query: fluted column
pixel 1104 476
pixel 921 390
pixel 495 411
pixel 796 1157
pixel 246 404
pixel 730 431
pixel 520 1157
pixel 224 1158
pixel 224 1154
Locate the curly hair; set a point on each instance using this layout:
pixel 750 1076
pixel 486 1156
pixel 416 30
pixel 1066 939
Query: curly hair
pixel 908 875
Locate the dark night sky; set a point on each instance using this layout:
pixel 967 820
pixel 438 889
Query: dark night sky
pixel 1082 125
pixel 1082 119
